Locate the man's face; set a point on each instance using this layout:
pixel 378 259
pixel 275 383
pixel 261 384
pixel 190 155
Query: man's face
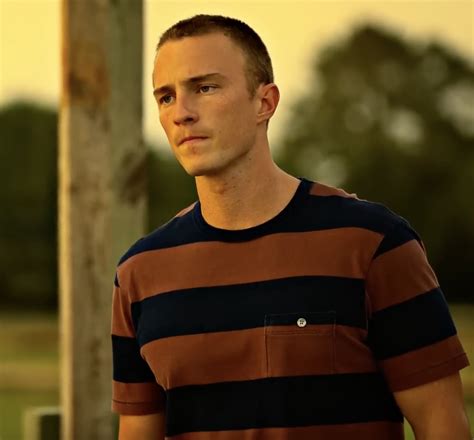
pixel 202 93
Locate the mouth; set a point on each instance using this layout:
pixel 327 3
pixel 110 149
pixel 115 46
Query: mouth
pixel 192 139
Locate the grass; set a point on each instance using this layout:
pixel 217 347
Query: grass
pixel 29 371
pixel 29 366
pixel 14 403
pixel 32 337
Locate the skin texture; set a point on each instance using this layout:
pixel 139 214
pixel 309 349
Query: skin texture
pixel 239 186
pixel 233 168
pixel 207 107
pixel 149 427
pixel 436 410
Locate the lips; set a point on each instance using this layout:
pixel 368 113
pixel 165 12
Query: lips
pixel 190 138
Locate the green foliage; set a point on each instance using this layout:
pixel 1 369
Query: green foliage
pixel 28 197
pixel 393 121
pixel 170 189
pixel 28 224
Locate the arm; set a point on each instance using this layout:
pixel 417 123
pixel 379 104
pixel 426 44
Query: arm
pixel 134 387
pixel 435 410
pixel 146 427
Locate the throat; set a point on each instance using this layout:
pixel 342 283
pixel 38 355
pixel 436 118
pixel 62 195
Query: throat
pixel 234 207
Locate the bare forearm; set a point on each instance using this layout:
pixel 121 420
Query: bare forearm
pixel 444 426
pixel 147 427
pixel 436 409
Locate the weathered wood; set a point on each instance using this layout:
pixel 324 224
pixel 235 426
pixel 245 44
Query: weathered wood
pixel 101 195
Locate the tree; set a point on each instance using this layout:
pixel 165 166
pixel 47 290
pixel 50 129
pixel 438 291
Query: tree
pixel 28 272
pixel 170 189
pixel 28 196
pixel 393 121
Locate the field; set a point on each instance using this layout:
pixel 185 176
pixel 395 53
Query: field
pixel 29 372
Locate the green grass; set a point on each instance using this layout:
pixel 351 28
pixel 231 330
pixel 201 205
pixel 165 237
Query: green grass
pixel 29 366
pixel 32 337
pixel 14 403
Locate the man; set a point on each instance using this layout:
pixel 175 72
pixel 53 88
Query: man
pixel 274 307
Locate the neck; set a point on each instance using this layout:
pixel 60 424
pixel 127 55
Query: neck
pixel 246 195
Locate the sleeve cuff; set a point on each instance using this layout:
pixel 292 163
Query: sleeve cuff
pixel 431 374
pixel 137 409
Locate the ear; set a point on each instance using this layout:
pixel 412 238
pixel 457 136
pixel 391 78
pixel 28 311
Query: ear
pixel 268 97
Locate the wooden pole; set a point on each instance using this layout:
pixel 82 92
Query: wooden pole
pixel 101 196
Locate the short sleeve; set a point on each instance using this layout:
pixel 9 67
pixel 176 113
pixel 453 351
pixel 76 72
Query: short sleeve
pixel 410 331
pixel 134 388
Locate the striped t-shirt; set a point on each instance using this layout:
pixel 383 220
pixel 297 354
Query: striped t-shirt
pixel 298 328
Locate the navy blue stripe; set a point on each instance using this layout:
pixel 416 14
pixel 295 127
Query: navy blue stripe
pixel 281 402
pixel 416 323
pixel 244 306
pixel 128 365
pixel 306 213
pixel 401 234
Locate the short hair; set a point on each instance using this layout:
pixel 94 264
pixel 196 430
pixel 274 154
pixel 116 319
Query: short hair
pixel 258 63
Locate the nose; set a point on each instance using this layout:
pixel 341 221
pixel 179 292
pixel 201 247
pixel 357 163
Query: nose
pixel 184 111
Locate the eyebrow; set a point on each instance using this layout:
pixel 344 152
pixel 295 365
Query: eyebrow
pixel 193 80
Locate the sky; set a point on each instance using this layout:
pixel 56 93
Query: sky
pixel 293 31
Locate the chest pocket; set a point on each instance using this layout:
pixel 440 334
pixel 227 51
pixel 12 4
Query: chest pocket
pixel 300 343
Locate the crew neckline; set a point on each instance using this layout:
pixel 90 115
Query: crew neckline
pixel 285 214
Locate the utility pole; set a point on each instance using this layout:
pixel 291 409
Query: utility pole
pixel 101 196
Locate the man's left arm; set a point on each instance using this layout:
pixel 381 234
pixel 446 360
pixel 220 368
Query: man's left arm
pixel 435 410
pixel 414 339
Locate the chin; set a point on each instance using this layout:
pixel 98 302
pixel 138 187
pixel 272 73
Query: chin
pixel 198 170
pixel 209 165
pixel 195 170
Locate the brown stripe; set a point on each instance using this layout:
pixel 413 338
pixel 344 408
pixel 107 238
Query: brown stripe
pixel 354 431
pixel 137 398
pixel 121 319
pixel 319 189
pixel 143 392
pixel 352 354
pixel 260 352
pixel 399 275
pixel 293 354
pixel 425 364
pixel 135 409
pixel 171 358
pixel 269 257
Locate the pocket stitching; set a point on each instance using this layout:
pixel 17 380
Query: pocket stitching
pixel 302 331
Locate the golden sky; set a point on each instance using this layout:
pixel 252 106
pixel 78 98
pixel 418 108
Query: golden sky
pixel 292 30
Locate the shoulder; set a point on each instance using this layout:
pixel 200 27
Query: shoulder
pixel 338 208
pixel 177 231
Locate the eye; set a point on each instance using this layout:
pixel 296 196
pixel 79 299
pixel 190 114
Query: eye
pixel 206 89
pixel 166 99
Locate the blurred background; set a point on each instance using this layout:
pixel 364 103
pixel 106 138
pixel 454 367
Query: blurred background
pixel 377 98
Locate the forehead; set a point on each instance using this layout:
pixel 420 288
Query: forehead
pixel 198 55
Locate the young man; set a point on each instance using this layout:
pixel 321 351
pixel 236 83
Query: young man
pixel 274 307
